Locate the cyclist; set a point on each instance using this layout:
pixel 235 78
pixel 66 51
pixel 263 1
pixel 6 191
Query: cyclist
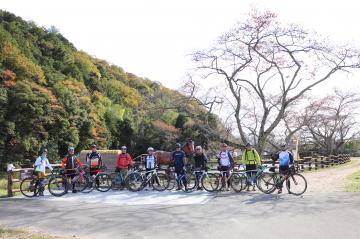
pixel 40 165
pixel 200 161
pixel 123 162
pixel 226 163
pixel 69 164
pixel 252 160
pixel 150 161
pixel 286 159
pixel 94 161
pixel 179 159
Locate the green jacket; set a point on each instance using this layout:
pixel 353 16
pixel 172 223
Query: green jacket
pixel 251 157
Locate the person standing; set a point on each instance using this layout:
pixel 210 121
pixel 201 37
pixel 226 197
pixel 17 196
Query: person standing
pixel 226 163
pixel 123 162
pixel 252 160
pixel 69 164
pixel 200 161
pixel 179 160
pixel 40 166
pixel 150 162
pixel 286 159
pixel 94 161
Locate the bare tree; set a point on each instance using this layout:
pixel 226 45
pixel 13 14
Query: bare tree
pixel 273 64
pixel 331 121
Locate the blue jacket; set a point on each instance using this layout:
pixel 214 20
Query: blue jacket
pixel 178 157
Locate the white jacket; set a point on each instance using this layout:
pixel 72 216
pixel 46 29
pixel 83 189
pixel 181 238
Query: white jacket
pixel 41 163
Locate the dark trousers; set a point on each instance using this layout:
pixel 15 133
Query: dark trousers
pixel 225 170
pixel 251 174
pixel 283 170
pixel 179 173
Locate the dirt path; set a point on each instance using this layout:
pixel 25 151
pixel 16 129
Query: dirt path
pixel 331 180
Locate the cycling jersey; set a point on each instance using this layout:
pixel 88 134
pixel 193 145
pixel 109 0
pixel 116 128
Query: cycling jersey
pixel 124 161
pixel 178 158
pixel 225 159
pixel 150 162
pixel 285 158
pixel 94 160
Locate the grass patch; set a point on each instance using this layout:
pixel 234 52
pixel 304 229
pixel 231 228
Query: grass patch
pixel 7 233
pixel 352 182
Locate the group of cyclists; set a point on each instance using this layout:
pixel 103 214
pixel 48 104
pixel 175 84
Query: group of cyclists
pixel 250 158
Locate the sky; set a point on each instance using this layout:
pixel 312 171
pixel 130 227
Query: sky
pixel 154 38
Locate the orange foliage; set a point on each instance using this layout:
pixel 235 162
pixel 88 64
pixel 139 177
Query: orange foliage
pixel 165 127
pixel 8 79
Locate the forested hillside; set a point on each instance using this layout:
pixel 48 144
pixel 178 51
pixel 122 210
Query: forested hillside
pixel 53 95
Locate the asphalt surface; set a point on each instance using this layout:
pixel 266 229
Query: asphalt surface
pixel 226 215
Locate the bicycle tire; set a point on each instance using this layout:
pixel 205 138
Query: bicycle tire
pixel 172 183
pixel 90 185
pixel 81 183
pixel 161 182
pixel 295 182
pixel 26 187
pixel 58 186
pixel 236 182
pixel 210 182
pixel 266 183
pixel 104 182
pixel 134 182
pixel 114 184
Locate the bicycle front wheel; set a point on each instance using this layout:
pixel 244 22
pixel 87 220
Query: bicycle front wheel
pixel 134 182
pixel 58 186
pixel 296 184
pixel 161 182
pixel 28 187
pixel 210 182
pixel 266 183
pixel 236 182
pixel 81 183
pixel 102 182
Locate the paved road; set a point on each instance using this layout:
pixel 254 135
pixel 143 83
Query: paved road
pixel 228 215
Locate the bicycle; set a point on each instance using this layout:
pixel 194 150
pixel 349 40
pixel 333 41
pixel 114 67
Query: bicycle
pixel 118 181
pixel 203 179
pixel 29 187
pixel 296 183
pixel 59 184
pixel 101 181
pixel 224 181
pixel 138 180
pixel 247 180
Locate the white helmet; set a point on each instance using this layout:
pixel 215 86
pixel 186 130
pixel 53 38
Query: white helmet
pixel 150 149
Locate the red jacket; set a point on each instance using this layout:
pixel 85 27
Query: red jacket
pixel 124 161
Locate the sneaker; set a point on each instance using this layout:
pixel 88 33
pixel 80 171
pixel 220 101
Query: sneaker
pixel 74 191
pixel 41 194
pixel 280 191
pixel 228 189
pixel 247 188
pixel 178 189
pixel 254 188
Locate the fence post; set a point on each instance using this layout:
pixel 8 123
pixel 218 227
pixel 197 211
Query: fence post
pixel 10 184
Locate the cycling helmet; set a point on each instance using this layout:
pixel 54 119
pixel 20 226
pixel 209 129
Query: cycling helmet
pixel 177 145
pixel 150 149
pixel 71 149
pixel 224 145
pixel 198 148
pixel 93 146
pixel 123 148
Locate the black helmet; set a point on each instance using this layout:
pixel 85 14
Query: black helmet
pixel 43 150
pixel 177 145
pixel 93 146
pixel 247 145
